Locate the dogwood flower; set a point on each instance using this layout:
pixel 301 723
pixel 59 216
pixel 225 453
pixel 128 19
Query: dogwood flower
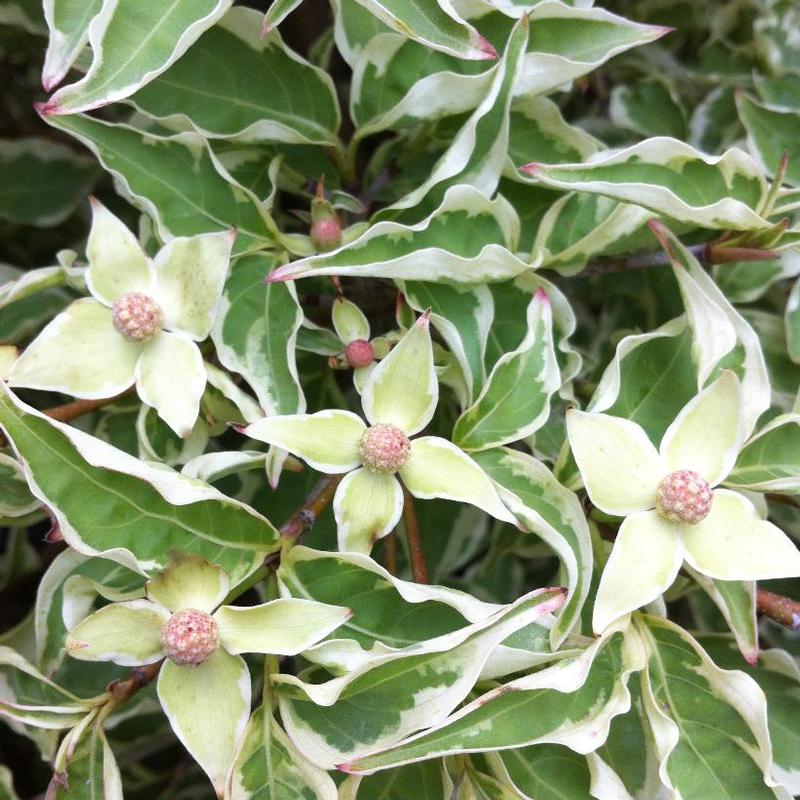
pixel 204 684
pixel 399 400
pixel 139 325
pixel 672 510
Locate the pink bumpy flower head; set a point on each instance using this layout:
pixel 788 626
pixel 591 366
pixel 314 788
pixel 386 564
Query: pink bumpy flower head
pixel 384 448
pixel 326 234
pixel 190 637
pixel 359 354
pixel 137 317
pixel 684 496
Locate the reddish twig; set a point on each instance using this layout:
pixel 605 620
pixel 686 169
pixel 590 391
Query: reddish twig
pixel 139 677
pixel 779 608
pixel 78 408
pixel 317 501
pixel 390 553
pixel 415 552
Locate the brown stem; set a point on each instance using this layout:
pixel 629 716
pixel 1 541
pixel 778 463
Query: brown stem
pixel 317 501
pixel 415 552
pixel 779 608
pixel 66 412
pixel 704 253
pixel 139 677
pixel 390 553
pixel 77 408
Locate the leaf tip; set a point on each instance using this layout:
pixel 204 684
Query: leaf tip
pixel 238 428
pixel 277 276
pixel 663 30
pixel 50 108
pixel 486 50
pixel 348 767
pixel 265 27
pixel 531 169
pixel 542 296
pixel 751 655
pixel 425 320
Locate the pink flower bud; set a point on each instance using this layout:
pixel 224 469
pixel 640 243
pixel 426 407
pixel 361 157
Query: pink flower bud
pixel 137 317
pixel 684 496
pixel 326 234
pixel 384 448
pixel 359 354
pixel 190 637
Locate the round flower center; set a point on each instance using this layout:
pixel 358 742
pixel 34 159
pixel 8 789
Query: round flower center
pixel 190 637
pixel 684 496
pixel 359 354
pixel 137 317
pixel 384 448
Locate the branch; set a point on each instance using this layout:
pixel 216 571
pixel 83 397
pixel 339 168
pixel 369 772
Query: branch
pixel 415 552
pixel 319 498
pixel 704 253
pixel 779 608
pixel 66 412
pixel 139 677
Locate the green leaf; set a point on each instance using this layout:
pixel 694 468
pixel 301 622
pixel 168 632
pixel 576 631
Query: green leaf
pixel 477 153
pixel 326 720
pixel 297 104
pixel 539 133
pixel 255 333
pixel 277 13
pixel 771 133
pixel 736 601
pixel 389 614
pixel 68 22
pixel 747 358
pixel 570 703
pixel 650 378
pixel 132 42
pixel 33 699
pixel 462 315
pixel 648 107
pixel 422 781
pixel 770 460
pixel 42 181
pixel 544 507
pixel 177 180
pixel 66 595
pixel 578 226
pixel 85 768
pixel 25 14
pixel 516 399
pixel 544 772
pixel 398 82
pixel 155 510
pixel 671 178
pixel 269 767
pixel 433 24
pixel 709 724
pixel 568 42
pixel 777 675
pixel 467 239
pixel 15 497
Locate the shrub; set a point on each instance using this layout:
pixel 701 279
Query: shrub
pixel 407 405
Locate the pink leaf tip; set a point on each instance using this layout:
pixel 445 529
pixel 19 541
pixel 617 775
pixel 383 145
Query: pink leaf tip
pixel 48 108
pixel 751 656
pixel 425 320
pixel 265 27
pixel 541 295
pixel 238 428
pixel 663 30
pixel 277 276
pixel 349 768
pixel 486 49
pixel 531 169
